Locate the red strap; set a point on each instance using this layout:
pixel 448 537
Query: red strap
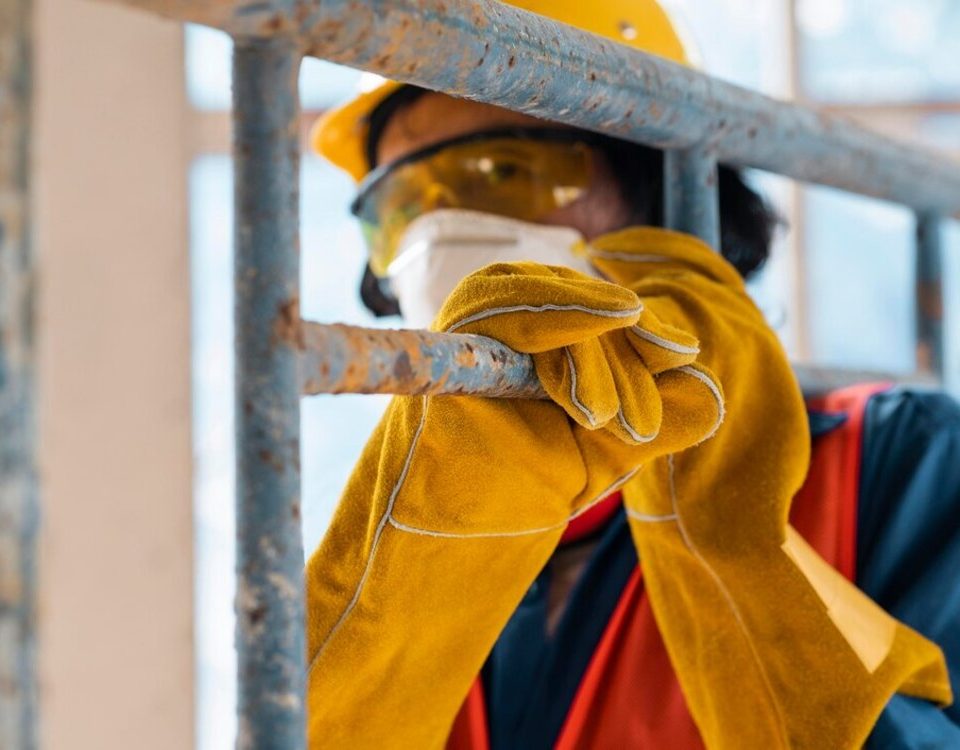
pixel 469 731
pixel 583 710
pixel 629 695
pixel 825 509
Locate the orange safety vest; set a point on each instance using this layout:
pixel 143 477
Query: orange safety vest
pixel 629 696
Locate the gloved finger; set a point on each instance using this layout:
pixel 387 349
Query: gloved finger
pixel 661 346
pixel 534 308
pixel 693 408
pixel 692 411
pixel 578 378
pixel 640 409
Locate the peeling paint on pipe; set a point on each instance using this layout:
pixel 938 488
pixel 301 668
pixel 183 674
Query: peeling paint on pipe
pixel 347 359
pixel 563 73
pixel 270 609
pixel 496 53
pixel 19 504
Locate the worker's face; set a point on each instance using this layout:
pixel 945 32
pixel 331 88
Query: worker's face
pixel 434 118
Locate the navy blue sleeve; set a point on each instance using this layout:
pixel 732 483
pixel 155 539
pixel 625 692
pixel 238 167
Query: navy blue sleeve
pixel 908 549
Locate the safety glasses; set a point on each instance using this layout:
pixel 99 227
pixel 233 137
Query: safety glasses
pixel 521 173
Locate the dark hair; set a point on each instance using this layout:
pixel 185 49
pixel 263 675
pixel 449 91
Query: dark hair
pixel 747 221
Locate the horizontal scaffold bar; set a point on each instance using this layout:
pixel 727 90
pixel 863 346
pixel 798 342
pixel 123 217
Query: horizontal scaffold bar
pixel 496 53
pixel 346 359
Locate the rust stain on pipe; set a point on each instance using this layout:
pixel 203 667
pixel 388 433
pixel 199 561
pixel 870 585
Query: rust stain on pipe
pixel 288 326
pixel 347 359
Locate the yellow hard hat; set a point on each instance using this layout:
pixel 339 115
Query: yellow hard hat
pixel 340 135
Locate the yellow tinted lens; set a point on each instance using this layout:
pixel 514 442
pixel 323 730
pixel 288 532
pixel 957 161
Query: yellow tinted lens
pixel 401 197
pixel 524 179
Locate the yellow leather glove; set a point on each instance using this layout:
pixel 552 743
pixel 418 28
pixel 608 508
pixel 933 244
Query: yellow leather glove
pixel 457 502
pixel 773 647
pixel 615 379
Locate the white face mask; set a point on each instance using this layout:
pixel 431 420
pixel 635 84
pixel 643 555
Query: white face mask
pixel 441 247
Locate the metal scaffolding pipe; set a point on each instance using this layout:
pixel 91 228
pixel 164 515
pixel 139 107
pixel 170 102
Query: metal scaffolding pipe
pixel 347 359
pixel 691 200
pixel 496 53
pixel 929 294
pixel 270 609
pixel 19 511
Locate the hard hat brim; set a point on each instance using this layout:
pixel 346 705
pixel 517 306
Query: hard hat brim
pixel 340 136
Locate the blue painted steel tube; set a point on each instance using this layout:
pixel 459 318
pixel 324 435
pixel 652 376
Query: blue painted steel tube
pixel 346 359
pixel 270 610
pixel 19 504
pixel 493 52
pixel 929 296
pixel 691 200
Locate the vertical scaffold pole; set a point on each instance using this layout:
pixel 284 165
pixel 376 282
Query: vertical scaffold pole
pixel 18 475
pixel 270 610
pixel 929 297
pixel 691 199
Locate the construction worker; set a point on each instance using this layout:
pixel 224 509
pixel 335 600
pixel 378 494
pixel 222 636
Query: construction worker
pixel 479 586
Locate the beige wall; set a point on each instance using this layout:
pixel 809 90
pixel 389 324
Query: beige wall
pixel 116 580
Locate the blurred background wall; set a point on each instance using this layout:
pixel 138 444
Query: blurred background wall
pixel 134 217
pixel 116 566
